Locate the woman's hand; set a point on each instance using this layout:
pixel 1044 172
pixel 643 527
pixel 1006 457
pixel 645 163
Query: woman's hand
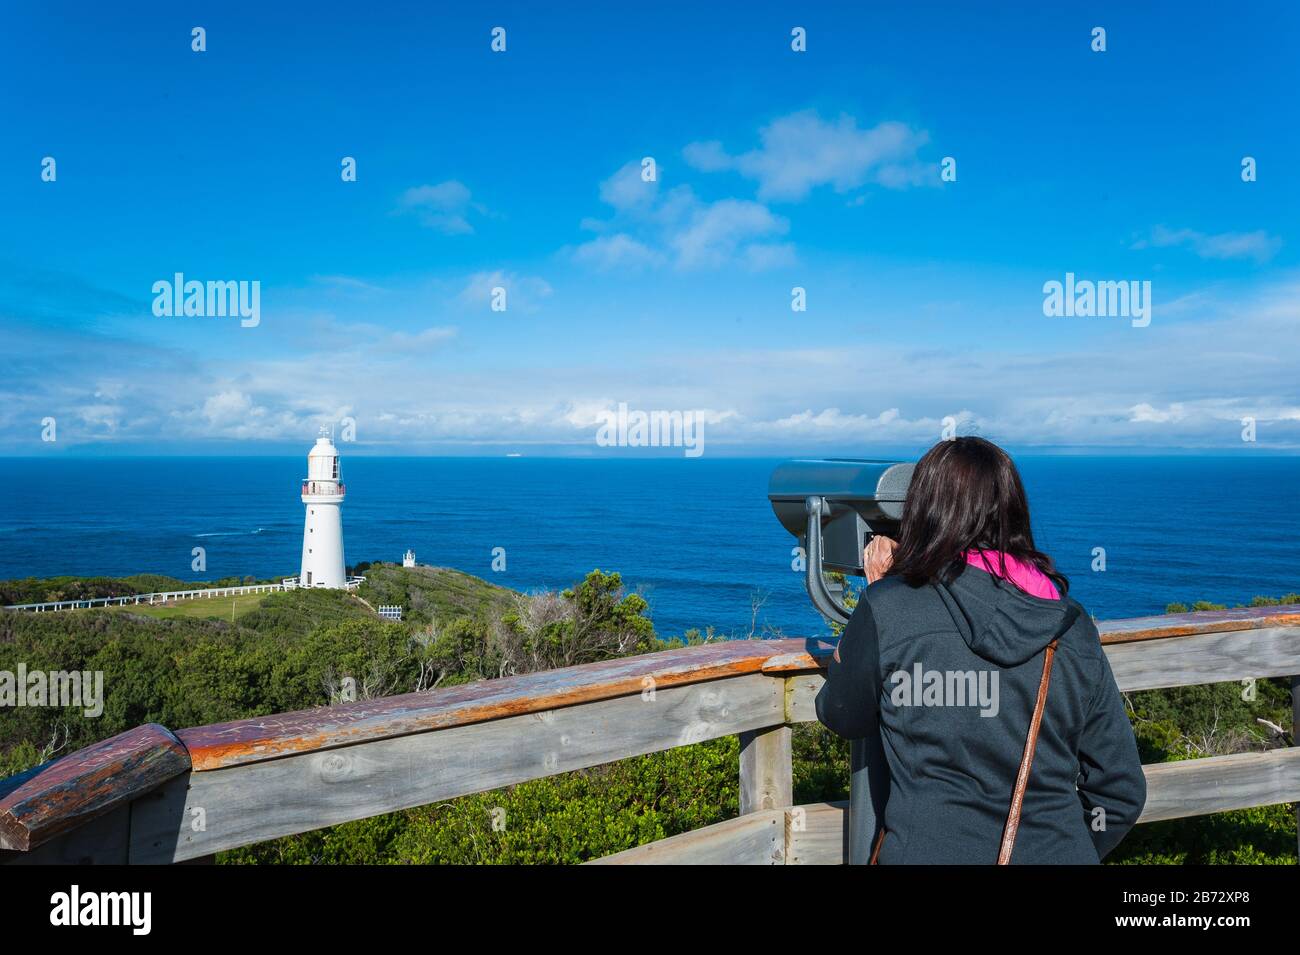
pixel 878 557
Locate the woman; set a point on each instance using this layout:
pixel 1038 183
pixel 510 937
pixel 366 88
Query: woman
pixel 940 667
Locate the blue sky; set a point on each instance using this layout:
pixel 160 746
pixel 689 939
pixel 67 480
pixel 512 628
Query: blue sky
pixel 775 169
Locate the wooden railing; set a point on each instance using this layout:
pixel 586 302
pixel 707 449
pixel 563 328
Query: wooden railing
pixel 150 795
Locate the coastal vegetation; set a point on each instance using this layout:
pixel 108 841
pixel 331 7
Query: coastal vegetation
pixel 289 651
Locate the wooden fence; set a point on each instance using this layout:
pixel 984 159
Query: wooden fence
pixel 153 796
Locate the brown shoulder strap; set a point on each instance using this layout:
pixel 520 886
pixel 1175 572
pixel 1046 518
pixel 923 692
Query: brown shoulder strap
pixel 1026 760
pixel 1027 757
pixel 1072 613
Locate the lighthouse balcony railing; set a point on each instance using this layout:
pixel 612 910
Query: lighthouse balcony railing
pixel 324 488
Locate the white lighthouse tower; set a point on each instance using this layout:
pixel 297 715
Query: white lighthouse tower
pixel 322 535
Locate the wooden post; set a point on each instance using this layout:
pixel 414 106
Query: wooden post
pixel 1295 741
pixel 766 770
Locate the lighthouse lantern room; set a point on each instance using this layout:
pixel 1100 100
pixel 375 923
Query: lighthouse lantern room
pixel 322 535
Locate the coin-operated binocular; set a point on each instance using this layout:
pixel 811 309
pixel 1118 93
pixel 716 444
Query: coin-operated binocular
pixel 834 507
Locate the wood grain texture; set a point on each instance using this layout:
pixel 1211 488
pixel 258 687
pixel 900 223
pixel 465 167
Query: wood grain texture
pixel 801 696
pixel 817 834
pixel 1197 787
pixel 1211 657
pixel 754 839
pixel 252 802
pixel 261 738
pixel 69 792
pixel 1202 621
pixel 766 769
pixel 797 835
pixel 101 841
pixel 815 654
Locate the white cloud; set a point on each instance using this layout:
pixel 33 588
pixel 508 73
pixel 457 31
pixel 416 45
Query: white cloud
pixel 651 225
pixel 617 251
pixel 234 414
pixel 444 206
pixel 1187 383
pixel 716 233
pixel 1165 389
pixel 1258 245
pixel 102 417
pixel 226 405
pixel 802 151
pixel 627 190
pixel 833 421
pixel 676 227
pixel 1147 413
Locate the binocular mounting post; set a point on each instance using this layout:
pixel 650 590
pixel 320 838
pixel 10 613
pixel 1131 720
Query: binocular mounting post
pixel 822 598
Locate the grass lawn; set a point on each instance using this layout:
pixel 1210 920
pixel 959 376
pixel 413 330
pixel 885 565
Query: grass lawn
pixel 201 607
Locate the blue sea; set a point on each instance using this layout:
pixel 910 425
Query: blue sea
pixel 695 536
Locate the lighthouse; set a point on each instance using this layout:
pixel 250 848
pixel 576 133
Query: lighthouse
pixel 322 534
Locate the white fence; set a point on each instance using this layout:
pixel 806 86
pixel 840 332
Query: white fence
pixel 172 596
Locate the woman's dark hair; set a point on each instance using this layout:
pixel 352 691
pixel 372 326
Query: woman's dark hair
pixel 965 494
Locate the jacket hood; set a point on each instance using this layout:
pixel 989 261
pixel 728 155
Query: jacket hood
pixel 998 620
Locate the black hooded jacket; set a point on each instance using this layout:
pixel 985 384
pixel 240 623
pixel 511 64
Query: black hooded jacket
pixel 959 668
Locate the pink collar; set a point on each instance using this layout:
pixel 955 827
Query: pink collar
pixel 1021 573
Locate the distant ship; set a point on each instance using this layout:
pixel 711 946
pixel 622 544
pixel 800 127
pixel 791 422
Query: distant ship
pixel 514 454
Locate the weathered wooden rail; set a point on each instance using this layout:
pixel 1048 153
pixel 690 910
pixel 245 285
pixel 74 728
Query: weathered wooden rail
pixel 153 796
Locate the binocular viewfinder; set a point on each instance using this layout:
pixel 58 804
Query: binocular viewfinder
pixel 834 507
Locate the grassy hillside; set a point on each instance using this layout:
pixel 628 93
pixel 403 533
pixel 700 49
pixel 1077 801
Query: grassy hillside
pixel 431 593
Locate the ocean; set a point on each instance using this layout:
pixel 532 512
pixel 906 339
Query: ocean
pixel 695 536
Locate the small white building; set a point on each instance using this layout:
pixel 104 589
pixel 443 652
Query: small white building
pixel 408 559
pixel 322 535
